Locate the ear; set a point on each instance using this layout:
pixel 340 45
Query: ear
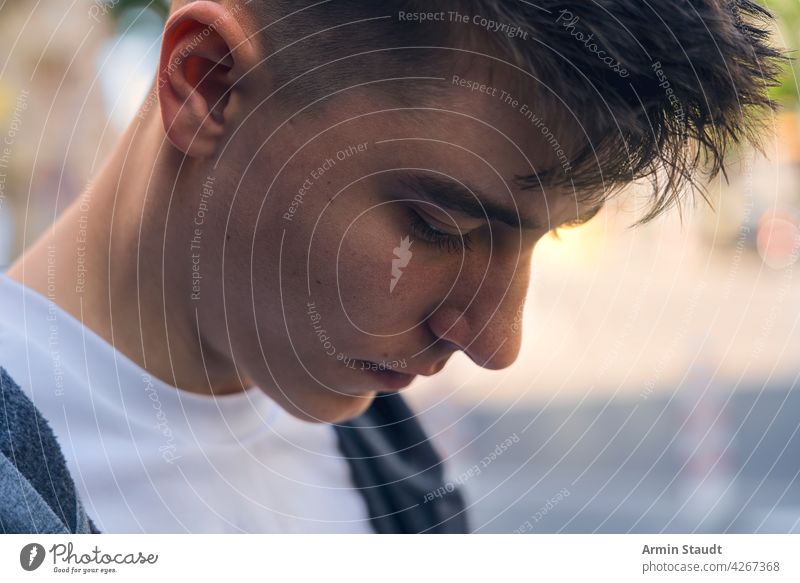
pixel 204 52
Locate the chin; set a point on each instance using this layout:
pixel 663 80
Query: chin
pixel 328 407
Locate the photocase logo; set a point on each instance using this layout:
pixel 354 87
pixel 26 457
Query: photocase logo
pixel 402 257
pixel 31 556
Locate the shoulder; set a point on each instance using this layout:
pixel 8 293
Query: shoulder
pixel 38 494
pixel 24 433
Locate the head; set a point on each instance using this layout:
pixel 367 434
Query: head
pixel 374 177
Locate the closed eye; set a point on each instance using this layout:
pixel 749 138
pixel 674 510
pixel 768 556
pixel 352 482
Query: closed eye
pixel 423 230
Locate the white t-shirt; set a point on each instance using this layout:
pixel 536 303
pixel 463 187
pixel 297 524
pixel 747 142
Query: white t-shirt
pixel 147 457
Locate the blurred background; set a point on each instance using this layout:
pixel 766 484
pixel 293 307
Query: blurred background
pixel 657 388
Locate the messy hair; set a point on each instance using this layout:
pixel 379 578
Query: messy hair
pixel 661 90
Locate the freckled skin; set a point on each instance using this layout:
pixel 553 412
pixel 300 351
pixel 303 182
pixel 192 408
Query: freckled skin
pixel 251 322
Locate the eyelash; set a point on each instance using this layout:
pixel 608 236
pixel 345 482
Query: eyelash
pixel 453 243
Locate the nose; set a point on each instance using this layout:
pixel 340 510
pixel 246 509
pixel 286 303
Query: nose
pixel 482 315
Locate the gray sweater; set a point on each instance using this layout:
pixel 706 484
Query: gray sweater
pixel 37 494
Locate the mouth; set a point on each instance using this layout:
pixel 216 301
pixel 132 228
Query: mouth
pixel 390 380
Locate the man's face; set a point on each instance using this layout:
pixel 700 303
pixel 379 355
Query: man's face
pixel 353 261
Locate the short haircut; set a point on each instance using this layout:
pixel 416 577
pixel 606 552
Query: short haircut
pixel 662 88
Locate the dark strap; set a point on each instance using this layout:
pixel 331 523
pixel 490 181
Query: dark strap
pixel 398 472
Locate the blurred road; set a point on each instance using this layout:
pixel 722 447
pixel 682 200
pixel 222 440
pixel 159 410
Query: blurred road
pixel 694 461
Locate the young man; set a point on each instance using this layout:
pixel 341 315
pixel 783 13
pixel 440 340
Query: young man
pixel 319 202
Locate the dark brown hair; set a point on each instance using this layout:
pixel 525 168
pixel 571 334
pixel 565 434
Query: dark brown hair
pixel 661 89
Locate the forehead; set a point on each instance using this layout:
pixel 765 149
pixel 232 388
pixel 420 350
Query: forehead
pixel 473 125
pixel 487 131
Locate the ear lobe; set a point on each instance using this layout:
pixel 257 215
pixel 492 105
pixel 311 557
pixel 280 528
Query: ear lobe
pixel 202 51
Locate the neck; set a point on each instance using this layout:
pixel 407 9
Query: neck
pixel 121 263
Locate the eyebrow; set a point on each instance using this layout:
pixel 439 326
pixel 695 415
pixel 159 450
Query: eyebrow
pixel 466 200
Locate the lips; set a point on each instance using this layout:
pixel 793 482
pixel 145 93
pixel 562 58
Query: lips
pixel 429 372
pixel 390 380
pixel 411 373
pixel 394 380
pixel 433 370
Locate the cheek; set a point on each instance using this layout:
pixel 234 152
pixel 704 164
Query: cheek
pixel 364 272
pixel 363 264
